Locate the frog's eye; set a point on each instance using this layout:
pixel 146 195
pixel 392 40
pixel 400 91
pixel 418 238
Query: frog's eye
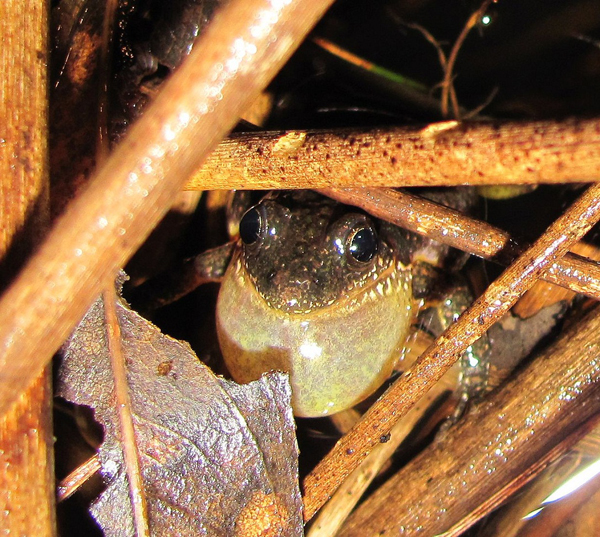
pixel 251 226
pixel 362 244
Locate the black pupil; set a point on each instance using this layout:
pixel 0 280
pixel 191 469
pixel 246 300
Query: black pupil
pixel 250 225
pixel 363 245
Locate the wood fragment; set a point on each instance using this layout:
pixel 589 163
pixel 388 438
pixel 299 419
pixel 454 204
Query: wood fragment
pixel 476 237
pixel 334 513
pixel 497 448
pixel 129 195
pixel 475 153
pixel 131 456
pixel 26 441
pixel 544 293
pixel 500 296
pixel 78 477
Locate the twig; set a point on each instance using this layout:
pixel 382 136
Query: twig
pixel 429 368
pixel 447 86
pixel 336 510
pixel 496 448
pixel 465 233
pixel 71 484
pixel 444 154
pixel 243 48
pixel 137 494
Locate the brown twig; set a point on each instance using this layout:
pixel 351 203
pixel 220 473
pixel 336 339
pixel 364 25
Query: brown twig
pixel 73 482
pixel 333 514
pixel 429 368
pixel 497 448
pixel 447 86
pixel 131 456
pixel 243 48
pixel 443 154
pixel 465 233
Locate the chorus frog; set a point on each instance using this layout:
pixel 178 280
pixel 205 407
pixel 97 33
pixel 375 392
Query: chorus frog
pixel 324 292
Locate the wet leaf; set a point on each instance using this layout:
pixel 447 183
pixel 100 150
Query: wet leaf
pixel 216 458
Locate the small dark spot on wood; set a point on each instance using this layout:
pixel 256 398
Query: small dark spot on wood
pixel 385 153
pixel 327 156
pixel 358 153
pixel 385 438
pixel 352 141
pixel 315 147
pixel 350 451
pixel 399 145
pixel 394 161
pixel 388 139
pixel 259 150
pixel 366 144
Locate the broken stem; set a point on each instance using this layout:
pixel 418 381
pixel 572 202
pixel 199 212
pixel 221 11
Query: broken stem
pixel 77 478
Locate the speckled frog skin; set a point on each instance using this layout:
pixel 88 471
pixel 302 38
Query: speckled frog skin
pixel 318 290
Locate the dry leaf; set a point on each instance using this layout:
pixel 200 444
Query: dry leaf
pixel 216 458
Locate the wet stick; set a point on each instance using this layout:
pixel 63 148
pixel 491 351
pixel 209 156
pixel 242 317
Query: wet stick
pixel 352 448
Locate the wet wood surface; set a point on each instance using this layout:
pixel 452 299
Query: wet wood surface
pixel 447 153
pixel 26 436
pixel 500 445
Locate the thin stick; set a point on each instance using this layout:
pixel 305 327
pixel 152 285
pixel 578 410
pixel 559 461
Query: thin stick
pixel 74 481
pixel 342 503
pixel 498 447
pixel 131 455
pixel 435 361
pixel 465 233
pixel 445 154
pixel 447 86
pixel 243 48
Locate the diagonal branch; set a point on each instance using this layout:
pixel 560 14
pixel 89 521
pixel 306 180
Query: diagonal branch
pixel 247 43
pixel 439 357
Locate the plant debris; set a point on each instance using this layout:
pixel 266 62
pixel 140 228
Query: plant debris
pixel 215 458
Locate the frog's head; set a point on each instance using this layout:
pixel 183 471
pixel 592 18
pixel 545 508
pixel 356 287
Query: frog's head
pixel 314 290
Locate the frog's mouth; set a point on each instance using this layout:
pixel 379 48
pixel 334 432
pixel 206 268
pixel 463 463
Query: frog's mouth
pixel 336 355
pixel 306 297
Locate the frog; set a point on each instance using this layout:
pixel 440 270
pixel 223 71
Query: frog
pixel 330 295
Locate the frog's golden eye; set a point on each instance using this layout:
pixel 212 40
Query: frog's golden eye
pixel 251 226
pixel 362 244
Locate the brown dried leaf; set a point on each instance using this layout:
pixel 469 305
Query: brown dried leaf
pixel 216 458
